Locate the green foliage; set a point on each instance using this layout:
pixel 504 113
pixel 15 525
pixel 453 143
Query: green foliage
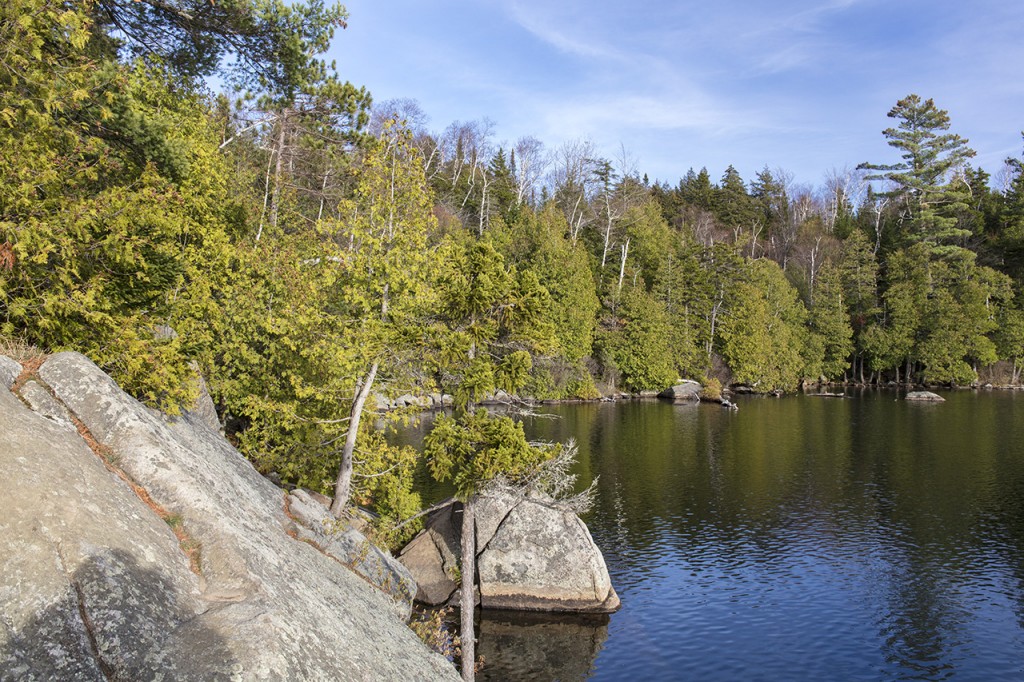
pixel 638 343
pixel 108 199
pixel 939 313
pixel 563 270
pixel 650 242
pixel 254 43
pixel 830 322
pixel 489 312
pixel 475 447
pixel 581 387
pixel 928 188
pixel 557 379
pixel 1009 337
pixel 732 205
pixel 306 315
pixel 764 338
pixel 712 389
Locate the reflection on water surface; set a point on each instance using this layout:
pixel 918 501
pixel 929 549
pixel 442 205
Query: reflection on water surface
pixel 796 539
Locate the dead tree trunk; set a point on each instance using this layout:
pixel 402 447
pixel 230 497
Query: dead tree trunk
pixel 343 484
pixel 468 596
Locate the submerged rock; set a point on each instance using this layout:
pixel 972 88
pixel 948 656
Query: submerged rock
pixel 534 646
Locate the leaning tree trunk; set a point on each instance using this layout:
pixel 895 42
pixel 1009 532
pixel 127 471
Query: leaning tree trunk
pixel 343 485
pixel 468 598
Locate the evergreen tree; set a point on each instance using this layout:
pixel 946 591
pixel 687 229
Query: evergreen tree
pixel 638 343
pixel 698 190
pixel 928 182
pixel 732 205
pixel 763 337
pixel 830 321
pixel 1010 240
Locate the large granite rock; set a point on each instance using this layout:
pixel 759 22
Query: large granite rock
pixel 338 538
pixel 542 558
pixel 94 585
pixel 687 390
pixel 531 555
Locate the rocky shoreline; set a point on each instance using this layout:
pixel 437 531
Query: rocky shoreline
pixel 136 546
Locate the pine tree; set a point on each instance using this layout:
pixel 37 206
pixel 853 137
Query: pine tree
pixel 929 186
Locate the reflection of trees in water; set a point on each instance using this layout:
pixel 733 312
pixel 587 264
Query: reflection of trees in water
pixel 910 515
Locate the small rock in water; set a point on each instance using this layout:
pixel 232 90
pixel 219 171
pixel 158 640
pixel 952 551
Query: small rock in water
pixel 925 396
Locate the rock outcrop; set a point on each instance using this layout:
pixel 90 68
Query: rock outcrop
pixel 340 540
pixel 531 555
pixel 925 397
pixel 95 584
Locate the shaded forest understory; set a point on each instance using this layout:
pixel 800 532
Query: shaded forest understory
pixel 303 247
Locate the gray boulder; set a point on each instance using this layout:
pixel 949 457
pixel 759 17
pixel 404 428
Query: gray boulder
pixel 95 585
pixel 687 390
pixel 203 410
pixel 432 557
pixel 531 555
pixel 925 396
pixel 439 400
pixel 542 558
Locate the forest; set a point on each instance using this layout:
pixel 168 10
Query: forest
pixel 305 249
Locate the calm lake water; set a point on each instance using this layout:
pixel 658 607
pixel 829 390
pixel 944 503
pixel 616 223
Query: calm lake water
pixel 800 538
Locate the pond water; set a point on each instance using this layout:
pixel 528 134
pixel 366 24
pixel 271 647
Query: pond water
pixel 800 538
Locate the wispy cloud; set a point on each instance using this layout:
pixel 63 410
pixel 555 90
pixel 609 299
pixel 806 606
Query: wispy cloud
pixel 540 23
pixel 802 84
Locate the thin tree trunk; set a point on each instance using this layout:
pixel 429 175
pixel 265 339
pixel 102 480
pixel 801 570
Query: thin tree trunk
pixel 343 485
pixel 607 234
pixel 275 198
pixel 266 195
pixel 468 597
pixel 622 264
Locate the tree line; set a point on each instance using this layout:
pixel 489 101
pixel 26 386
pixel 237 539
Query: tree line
pixel 306 250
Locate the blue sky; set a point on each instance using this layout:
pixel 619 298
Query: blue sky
pixel 797 85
